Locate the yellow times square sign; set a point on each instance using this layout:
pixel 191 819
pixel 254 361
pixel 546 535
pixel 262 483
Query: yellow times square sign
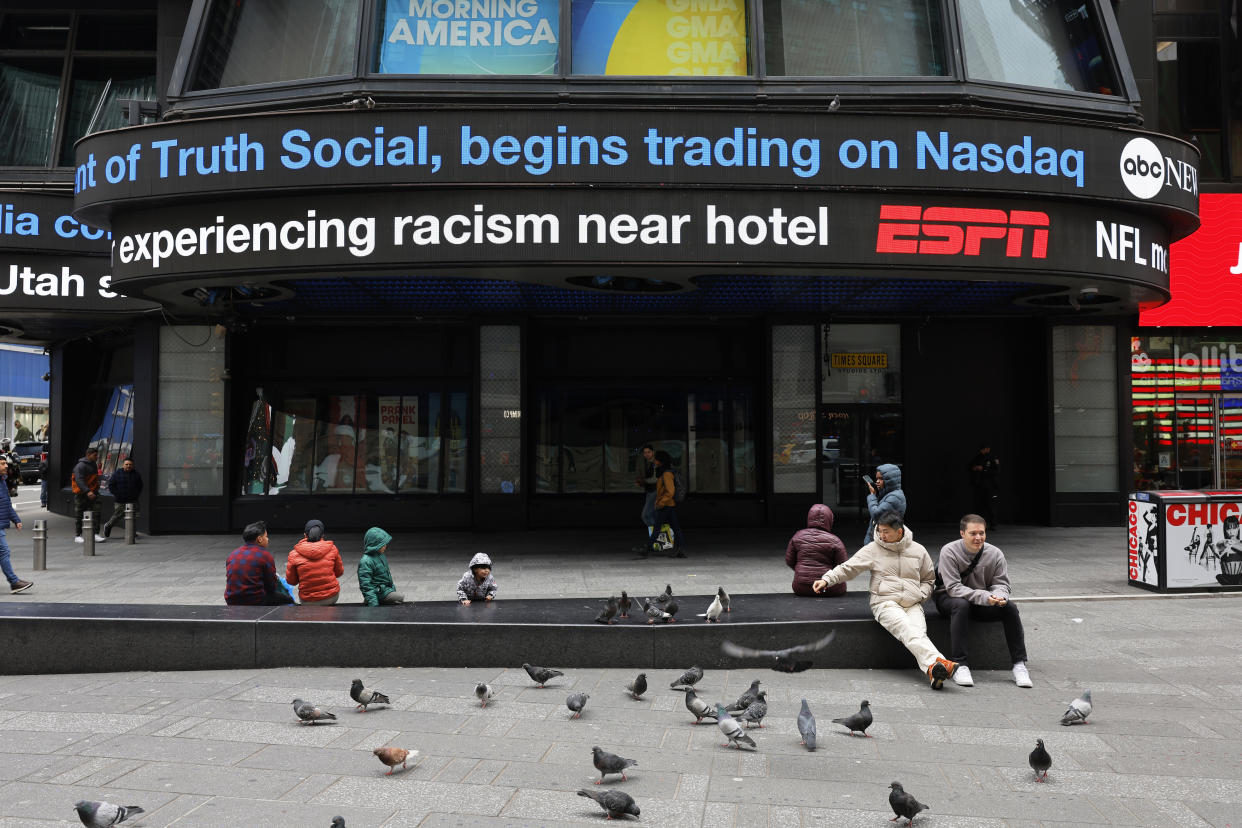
pixel 859 362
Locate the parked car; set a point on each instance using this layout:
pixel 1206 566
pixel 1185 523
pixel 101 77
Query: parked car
pixel 30 453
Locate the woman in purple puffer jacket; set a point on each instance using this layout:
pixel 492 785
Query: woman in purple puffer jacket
pixel 813 551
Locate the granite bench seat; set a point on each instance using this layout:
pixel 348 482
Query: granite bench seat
pixel 557 632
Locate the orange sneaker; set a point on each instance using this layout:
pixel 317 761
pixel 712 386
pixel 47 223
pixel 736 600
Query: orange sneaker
pixel 940 671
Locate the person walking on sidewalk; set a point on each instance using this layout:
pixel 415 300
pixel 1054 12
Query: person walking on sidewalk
pixel 972 585
pixel 902 578
pixel 666 502
pixel 646 479
pixel 125 484
pixel 814 550
pixel 314 566
pixel 885 496
pixel 9 515
pixel 85 485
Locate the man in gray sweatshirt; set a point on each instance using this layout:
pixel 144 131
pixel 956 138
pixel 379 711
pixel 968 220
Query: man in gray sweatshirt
pixel 972 584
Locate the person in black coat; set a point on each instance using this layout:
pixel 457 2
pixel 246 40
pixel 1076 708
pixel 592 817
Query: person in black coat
pixel 125 484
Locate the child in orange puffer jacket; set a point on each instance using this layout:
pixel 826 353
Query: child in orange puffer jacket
pixel 314 566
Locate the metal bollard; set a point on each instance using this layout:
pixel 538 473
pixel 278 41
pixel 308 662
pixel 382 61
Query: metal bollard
pixel 40 545
pixel 88 534
pixel 131 523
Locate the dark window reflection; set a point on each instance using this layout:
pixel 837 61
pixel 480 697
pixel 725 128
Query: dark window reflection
pixel 1188 77
pixel 877 38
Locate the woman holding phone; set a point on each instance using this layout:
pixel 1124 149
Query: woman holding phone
pixel 886 496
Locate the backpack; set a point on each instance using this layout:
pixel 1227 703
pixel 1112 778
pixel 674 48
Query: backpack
pixel 679 487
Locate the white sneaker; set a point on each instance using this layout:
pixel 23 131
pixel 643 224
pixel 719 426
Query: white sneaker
pixel 78 539
pixel 962 677
pixel 100 539
pixel 1021 677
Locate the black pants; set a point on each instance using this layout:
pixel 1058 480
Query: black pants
pixel 961 613
pixel 81 505
pixel 668 514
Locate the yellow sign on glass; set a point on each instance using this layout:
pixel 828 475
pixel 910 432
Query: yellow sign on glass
pixel 681 37
pixel 873 362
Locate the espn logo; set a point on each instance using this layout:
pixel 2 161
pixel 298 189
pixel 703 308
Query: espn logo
pixel 947 231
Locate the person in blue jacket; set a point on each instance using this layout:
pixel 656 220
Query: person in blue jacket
pixel 9 515
pixel 886 496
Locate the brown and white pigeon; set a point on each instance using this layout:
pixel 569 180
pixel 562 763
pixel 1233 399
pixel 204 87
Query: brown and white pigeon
pixel 366 696
pixel 903 804
pixel 393 756
pixel 615 803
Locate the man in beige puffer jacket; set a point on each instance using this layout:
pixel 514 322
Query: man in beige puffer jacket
pixel 902 578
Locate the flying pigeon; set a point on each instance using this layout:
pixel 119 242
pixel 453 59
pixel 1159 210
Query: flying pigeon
pixel 608 612
pixel 697 707
pixel 1079 710
pixel 903 804
pixel 393 756
pixel 654 613
pixel 307 712
pixel 625 603
pixel 541 675
pixel 102 814
pixel 859 721
pixel 724 599
pixel 747 698
pixel 638 686
pixel 714 609
pixel 1040 761
pixel 784 661
pixel 365 696
pixel 755 711
pixel 483 692
pixel 607 763
pixel 806 726
pixel 731 729
pixel 575 702
pixel 689 678
pixel 616 803
pixel 337 822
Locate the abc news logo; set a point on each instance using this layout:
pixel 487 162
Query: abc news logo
pixel 1144 170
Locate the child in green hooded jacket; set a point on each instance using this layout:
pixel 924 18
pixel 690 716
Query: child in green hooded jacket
pixel 374 577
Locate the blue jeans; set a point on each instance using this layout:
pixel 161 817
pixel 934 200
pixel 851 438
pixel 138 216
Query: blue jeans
pixel 4 559
pixel 648 515
pixel 43 493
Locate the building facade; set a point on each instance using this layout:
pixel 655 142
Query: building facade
pixel 454 264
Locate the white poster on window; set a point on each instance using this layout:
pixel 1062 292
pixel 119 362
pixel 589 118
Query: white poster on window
pixel 1204 544
pixel 1144 542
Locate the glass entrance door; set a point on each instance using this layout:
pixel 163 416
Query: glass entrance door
pixel 854 440
pixel 1208 438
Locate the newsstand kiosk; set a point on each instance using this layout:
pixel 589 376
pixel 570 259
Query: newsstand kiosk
pixel 1185 541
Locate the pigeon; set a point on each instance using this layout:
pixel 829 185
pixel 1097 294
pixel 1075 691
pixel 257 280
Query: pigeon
pixel 625 603
pixel 102 814
pixel 671 608
pixel 337 822
pixel 541 675
pixel 638 686
pixel 1040 761
pixel 616 803
pixel 714 609
pixel 575 702
pixel 1079 710
pixel 665 596
pixel 365 696
pixel 608 612
pixel 607 763
pixel 903 804
pixel 724 599
pixel 784 661
pixel 654 613
pixel 307 712
pixel 697 707
pixel 755 711
pixel 689 678
pixel 731 729
pixel 746 699
pixel 393 756
pixel 806 726
pixel 483 692
pixel 859 721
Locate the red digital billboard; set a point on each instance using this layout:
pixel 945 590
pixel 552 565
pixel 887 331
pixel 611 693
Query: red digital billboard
pixel 1205 269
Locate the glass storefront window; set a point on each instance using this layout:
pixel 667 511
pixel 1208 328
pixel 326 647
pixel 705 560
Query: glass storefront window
pixel 1052 45
pixel 190 425
pixel 278 40
pixel 1084 407
pixel 500 409
pixel 862 363
pixel 700 38
pixel 480 37
pixel 115 435
pixel 1188 77
pixel 795 445
pixel 877 38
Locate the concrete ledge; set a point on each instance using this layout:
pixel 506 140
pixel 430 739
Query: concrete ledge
pixel 83 638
